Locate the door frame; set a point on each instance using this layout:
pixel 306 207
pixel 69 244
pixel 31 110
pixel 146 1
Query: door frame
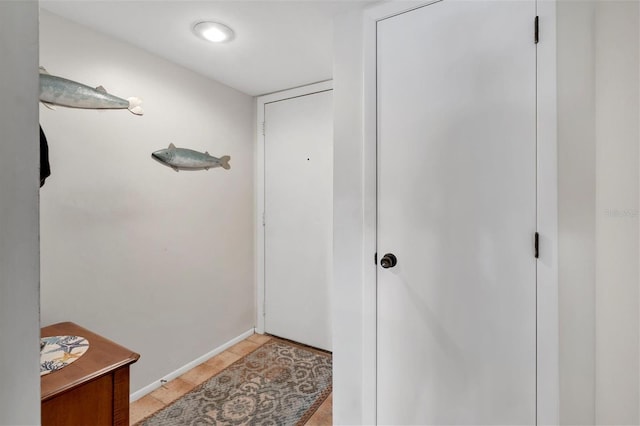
pixel 261 103
pixel 547 338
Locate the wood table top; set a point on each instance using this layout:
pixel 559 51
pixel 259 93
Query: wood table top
pixel 102 357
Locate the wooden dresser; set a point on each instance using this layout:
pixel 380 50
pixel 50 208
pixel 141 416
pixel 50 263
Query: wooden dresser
pixel 93 390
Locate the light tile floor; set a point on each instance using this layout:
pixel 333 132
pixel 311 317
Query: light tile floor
pixel 176 388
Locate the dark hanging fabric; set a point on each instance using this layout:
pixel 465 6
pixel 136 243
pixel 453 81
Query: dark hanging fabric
pixel 45 169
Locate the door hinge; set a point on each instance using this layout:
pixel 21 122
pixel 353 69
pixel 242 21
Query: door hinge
pixel 263 222
pixel 536 245
pixel 263 127
pixel 375 258
pixel 536 31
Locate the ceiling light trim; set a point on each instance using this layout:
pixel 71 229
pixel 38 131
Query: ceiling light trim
pixel 213 31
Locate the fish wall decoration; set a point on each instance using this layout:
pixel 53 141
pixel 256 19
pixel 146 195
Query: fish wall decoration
pixel 61 91
pixel 188 159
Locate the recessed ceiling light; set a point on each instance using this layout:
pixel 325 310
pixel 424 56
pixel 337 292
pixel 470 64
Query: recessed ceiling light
pixel 213 31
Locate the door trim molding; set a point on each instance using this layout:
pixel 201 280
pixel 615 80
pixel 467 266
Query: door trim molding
pixel 548 339
pixel 547 378
pixel 259 207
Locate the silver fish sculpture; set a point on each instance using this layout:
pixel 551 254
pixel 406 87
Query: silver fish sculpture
pixel 60 91
pixel 188 159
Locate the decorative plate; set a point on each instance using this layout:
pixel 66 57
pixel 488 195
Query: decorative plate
pixel 57 352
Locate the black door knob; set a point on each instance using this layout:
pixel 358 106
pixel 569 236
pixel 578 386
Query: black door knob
pixel 389 260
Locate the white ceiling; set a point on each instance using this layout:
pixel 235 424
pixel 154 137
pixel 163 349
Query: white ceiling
pixel 278 44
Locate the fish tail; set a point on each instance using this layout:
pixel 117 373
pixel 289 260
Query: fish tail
pixel 134 106
pixel 224 162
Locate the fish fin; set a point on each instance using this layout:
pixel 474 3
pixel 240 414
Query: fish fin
pixel 175 168
pixel 43 70
pixel 134 106
pixel 206 168
pixel 49 105
pixel 172 146
pixel 224 162
pixel 206 153
pixel 101 89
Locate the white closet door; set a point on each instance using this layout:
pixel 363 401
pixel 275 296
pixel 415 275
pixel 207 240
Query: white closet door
pixel 299 218
pixel 457 207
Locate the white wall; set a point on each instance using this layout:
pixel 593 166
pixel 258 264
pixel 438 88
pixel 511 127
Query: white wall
pixel 19 162
pixel 617 256
pixel 598 74
pixel 576 210
pixel 348 221
pixel 158 261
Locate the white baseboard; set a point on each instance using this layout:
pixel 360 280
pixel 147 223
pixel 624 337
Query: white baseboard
pixel 155 385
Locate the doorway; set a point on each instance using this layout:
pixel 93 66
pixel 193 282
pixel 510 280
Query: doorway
pixel 296 154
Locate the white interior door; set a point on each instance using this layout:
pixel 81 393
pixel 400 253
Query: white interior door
pixel 299 218
pixel 457 207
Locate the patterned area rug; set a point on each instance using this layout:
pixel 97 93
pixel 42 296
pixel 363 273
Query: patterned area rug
pixel 280 383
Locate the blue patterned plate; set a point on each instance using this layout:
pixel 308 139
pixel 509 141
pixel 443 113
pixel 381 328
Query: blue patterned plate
pixel 59 351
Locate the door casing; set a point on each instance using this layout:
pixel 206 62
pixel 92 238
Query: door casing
pixel 547 377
